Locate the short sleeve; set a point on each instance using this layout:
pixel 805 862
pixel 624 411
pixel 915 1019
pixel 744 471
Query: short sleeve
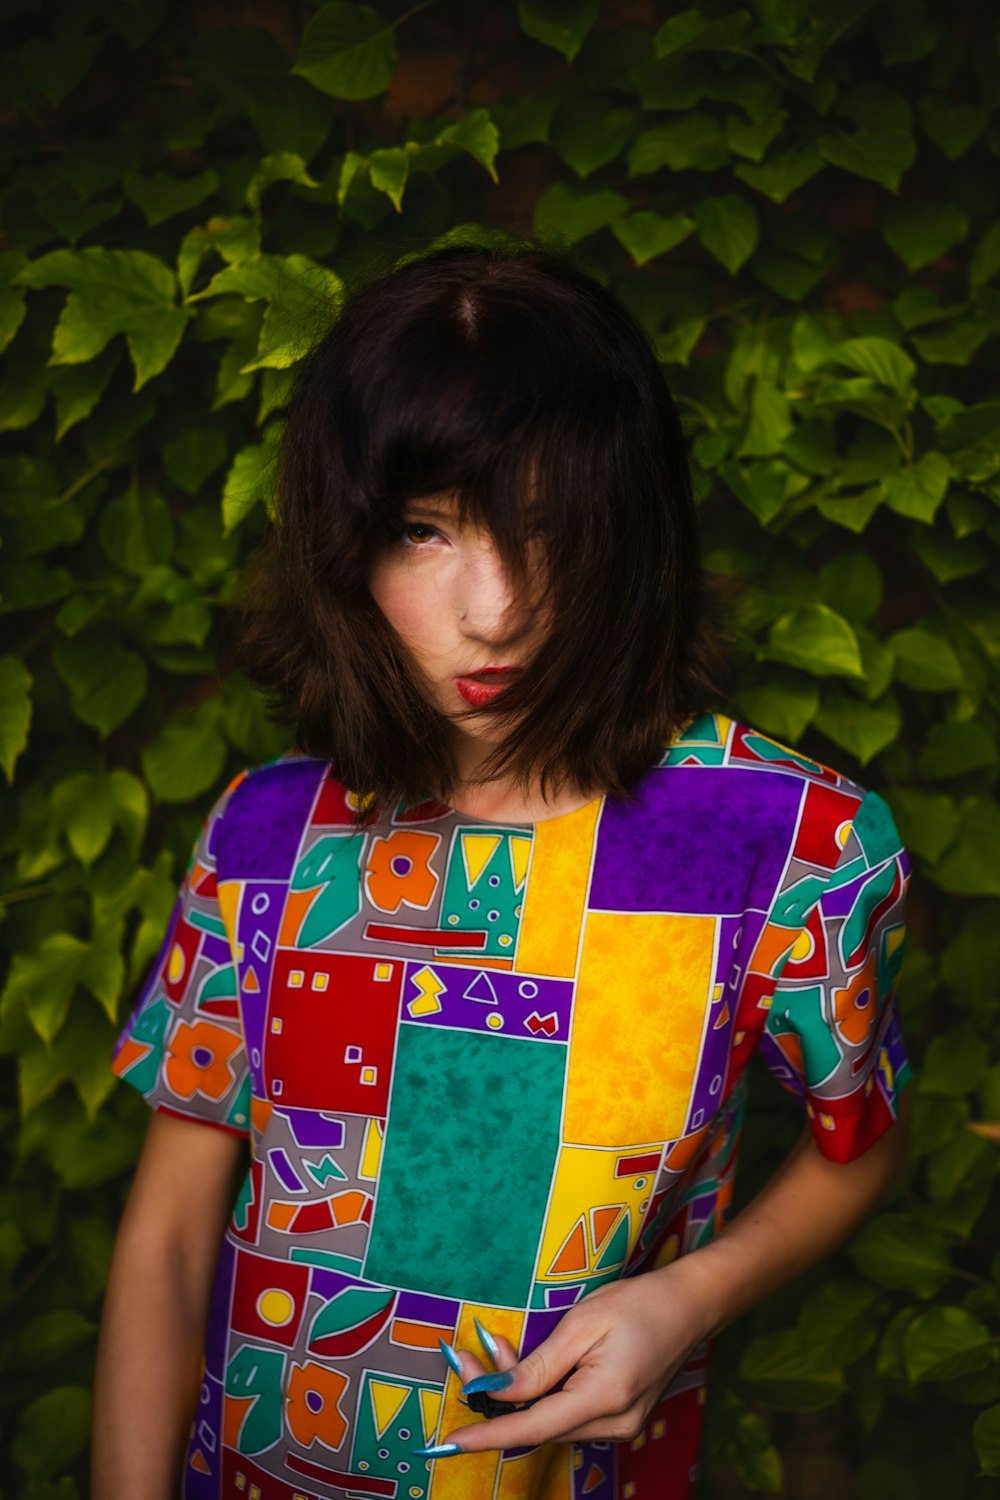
pixel 183 1045
pixel 832 1036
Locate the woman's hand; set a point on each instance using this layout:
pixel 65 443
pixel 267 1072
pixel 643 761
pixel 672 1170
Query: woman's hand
pixel 620 1347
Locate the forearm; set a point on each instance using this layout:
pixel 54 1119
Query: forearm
pixel 147 1377
pixel 808 1208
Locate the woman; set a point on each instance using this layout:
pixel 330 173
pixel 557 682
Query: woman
pixel 479 968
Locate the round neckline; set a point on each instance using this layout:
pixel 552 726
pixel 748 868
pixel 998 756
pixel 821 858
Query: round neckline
pixel 457 812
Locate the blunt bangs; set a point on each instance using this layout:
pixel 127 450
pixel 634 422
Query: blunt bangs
pixel 516 383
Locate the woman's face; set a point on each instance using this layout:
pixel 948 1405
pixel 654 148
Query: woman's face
pixel 443 588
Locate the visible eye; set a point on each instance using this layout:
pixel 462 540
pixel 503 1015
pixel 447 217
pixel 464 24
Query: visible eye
pixel 418 533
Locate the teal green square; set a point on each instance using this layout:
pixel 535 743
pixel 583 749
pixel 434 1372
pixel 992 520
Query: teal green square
pixel 470 1146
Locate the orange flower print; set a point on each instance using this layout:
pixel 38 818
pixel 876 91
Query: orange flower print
pixel 198 1060
pixel 855 1006
pixel 398 872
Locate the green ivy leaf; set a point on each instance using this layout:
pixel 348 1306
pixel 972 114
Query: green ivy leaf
pixel 235 240
pixel 15 711
pixel 986 1436
pixel 590 137
pixel 111 292
pixel 646 234
pixel 783 706
pixel 752 138
pixel 971 866
pixel 194 454
pixel 852 584
pixel 862 729
pixel 952 127
pixel 918 490
pixel 279 166
pixel 696 32
pixel 928 821
pixel 782 1372
pixel 921 232
pixel 985 262
pixel 41 983
pixel 728 228
pixel 817 640
pixel 878 358
pixel 52 1335
pixel 882 155
pixel 955 343
pixel 925 661
pixel 89 806
pixel 78 388
pixel 348 51
pixel 952 749
pixel 562 24
pixel 475 133
pixel 251 478
pixel 945 1342
pixel 53 1430
pixel 894 1251
pixel 56 67
pixel 136 531
pixel 697 141
pixel 574 213
pixel 163 196
pixel 106 681
pixel 782 174
pixel 187 756
pixel 837 1322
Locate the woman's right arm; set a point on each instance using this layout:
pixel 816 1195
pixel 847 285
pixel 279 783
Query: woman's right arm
pixel 156 1308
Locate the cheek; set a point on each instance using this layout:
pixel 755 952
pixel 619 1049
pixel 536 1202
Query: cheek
pixel 408 603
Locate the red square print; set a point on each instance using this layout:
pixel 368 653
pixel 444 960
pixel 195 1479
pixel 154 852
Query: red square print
pixel 331 1031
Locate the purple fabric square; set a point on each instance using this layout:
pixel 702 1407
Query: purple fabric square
pixel 715 843
pixel 264 822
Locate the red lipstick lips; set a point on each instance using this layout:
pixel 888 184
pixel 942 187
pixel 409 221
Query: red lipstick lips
pixel 480 688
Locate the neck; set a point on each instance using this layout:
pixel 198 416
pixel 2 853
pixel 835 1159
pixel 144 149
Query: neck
pixel 506 800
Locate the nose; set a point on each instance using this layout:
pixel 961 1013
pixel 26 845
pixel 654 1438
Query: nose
pixel 490 606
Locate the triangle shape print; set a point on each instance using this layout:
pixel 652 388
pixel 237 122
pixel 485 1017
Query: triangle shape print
pixel 387 1400
pixel 723 1018
pixel 595 1478
pixel 617 1247
pixel 602 1221
pixel 477 851
pixel 250 981
pixel 481 989
pixel 572 1255
pixel 430 1410
pixel 520 853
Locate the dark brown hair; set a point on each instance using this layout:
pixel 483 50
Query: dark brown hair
pixel 512 379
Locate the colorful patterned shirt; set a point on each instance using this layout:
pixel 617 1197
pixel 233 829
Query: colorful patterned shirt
pixel 485 1069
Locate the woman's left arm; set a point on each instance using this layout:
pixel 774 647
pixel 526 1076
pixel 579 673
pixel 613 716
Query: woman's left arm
pixel 625 1342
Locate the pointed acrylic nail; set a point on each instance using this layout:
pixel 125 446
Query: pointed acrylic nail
pixel 496 1382
pixel 451 1357
pixel 442 1450
pixel 487 1340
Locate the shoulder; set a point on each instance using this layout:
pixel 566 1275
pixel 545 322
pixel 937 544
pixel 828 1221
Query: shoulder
pixel 749 785
pixel 264 811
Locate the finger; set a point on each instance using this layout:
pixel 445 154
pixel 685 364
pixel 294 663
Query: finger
pixel 500 1350
pixel 538 1373
pixel 465 1366
pixel 576 1406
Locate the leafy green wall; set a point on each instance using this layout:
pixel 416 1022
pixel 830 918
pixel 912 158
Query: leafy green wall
pixel 801 199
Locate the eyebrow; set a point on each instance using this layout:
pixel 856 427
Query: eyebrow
pixel 431 506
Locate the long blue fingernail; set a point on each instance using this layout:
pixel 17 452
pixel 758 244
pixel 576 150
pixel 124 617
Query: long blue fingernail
pixel 451 1357
pixel 442 1450
pixel 487 1340
pixel 497 1382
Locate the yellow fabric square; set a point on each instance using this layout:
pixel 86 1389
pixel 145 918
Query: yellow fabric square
pixel 644 988
pixel 556 894
pixel 473 1476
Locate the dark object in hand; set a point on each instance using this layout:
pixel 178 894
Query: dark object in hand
pixel 488 1406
